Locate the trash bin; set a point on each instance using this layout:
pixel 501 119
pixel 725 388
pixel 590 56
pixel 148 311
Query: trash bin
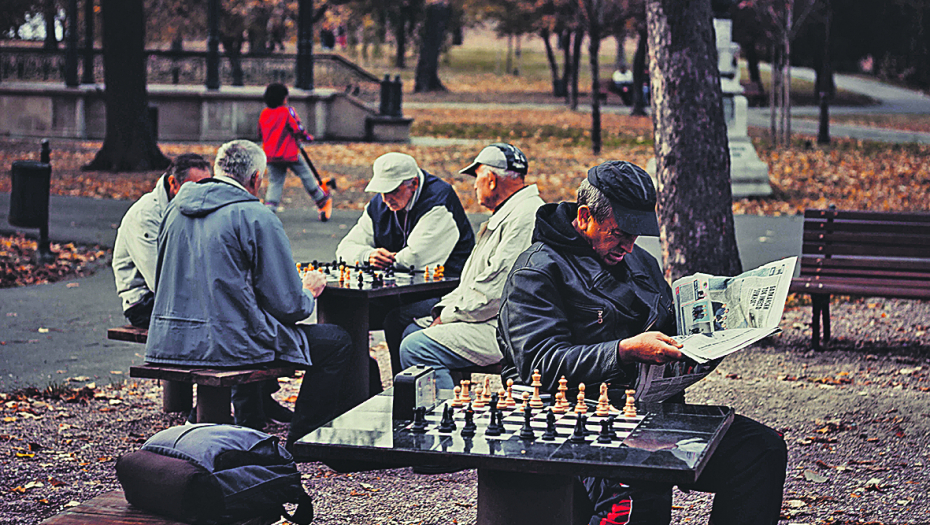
pixel 29 194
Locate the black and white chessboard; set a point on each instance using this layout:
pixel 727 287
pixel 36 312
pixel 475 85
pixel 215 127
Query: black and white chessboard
pixel 513 423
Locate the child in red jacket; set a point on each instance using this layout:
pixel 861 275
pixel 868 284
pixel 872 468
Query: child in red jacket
pixel 280 129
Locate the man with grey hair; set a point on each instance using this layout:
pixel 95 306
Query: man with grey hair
pixel 463 324
pixel 586 303
pixel 228 294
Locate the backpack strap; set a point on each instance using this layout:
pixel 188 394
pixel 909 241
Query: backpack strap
pixel 303 514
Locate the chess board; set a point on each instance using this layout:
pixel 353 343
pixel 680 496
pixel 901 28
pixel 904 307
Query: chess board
pixel 623 427
pixel 367 278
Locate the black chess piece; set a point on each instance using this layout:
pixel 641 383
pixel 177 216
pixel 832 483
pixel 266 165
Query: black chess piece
pixel 551 433
pixel 419 420
pixel 468 430
pixel 494 427
pixel 604 435
pixel 579 433
pixel 447 424
pixel 526 432
pixel 613 433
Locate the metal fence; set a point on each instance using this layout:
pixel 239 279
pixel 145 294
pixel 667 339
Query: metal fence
pixel 189 67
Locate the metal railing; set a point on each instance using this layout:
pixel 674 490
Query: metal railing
pixel 189 67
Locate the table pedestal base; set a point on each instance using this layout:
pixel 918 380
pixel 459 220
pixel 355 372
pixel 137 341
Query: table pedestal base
pixel 517 498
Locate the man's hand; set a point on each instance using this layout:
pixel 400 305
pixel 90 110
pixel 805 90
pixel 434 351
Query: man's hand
pixel 314 282
pixel 381 258
pixel 654 348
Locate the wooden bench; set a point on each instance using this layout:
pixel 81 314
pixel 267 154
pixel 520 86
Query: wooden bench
pixel 862 253
pixel 111 508
pixel 213 384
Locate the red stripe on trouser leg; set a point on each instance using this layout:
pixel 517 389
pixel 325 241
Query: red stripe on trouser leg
pixel 619 513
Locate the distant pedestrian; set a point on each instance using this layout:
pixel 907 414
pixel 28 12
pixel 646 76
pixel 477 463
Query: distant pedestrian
pixel 280 130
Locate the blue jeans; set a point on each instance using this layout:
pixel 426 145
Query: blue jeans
pixel 418 349
pixel 277 171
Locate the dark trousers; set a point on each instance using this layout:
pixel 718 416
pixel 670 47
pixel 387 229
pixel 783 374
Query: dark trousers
pixel 397 320
pixel 746 474
pixel 249 402
pixel 319 399
pixel 140 314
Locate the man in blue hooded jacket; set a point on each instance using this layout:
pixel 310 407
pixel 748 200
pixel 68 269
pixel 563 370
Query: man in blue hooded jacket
pixel 228 293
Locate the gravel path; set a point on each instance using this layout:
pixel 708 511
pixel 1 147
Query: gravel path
pixel 855 417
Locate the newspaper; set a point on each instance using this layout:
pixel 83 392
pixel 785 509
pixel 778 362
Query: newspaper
pixel 718 316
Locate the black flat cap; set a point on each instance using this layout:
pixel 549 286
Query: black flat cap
pixel 631 194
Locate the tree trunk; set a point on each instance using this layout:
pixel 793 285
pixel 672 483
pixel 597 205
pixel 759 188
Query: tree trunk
pixel 639 68
pixel 692 157
pixel 576 61
pixel 130 143
pixel 557 87
pixel 565 38
pixel 433 36
pixel 752 64
pixel 620 62
pixel 233 48
pixel 594 47
pixel 400 37
pixel 825 79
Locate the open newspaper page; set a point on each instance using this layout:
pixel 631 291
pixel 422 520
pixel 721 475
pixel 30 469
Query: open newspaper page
pixel 718 316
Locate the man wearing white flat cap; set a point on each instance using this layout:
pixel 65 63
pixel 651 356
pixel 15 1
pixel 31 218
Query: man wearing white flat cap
pixel 415 220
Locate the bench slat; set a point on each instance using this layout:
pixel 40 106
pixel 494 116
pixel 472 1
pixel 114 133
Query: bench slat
pixel 845 288
pixel 209 377
pixel 874 263
pixel 128 333
pixel 865 250
pixel 915 278
pixel 859 215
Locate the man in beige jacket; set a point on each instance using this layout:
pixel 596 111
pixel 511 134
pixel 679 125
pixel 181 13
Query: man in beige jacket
pixel 462 329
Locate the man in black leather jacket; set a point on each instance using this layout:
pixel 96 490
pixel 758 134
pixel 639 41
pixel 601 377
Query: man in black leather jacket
pixel 584 302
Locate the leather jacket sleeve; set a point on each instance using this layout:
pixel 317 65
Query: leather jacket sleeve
pixel 535 332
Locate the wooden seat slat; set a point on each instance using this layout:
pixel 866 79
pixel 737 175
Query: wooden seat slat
pixel 850 252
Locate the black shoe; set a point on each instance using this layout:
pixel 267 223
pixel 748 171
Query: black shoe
pixel 277 413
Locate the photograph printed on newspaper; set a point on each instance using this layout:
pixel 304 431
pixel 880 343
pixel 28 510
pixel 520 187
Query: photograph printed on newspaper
pixel 718 316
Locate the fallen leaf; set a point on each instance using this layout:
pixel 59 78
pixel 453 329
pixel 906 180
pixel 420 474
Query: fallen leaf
pixel 810 475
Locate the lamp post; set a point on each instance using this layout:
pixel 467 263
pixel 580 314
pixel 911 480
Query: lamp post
pixel 304 67
pixel 88 75
pixel 213 44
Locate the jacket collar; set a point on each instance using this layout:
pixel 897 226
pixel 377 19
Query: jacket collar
pixel 512 204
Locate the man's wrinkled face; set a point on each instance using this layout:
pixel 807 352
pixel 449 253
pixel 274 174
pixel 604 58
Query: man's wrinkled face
pixel 485 181
pixel 398 199
pixel 609 242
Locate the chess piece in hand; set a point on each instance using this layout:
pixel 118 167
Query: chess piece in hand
pixel 314 282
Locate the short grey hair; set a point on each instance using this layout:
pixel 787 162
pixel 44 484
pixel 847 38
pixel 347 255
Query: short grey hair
pixel 506 174
pixel 240 159
pixel 596 201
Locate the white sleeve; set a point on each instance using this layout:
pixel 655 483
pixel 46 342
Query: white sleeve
pixel 140 234
pixel 431 241
pixel 358 244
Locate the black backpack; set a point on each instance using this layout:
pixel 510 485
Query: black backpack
pixel 210 474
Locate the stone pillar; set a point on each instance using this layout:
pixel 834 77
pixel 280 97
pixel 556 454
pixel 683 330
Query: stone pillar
pixel 749 176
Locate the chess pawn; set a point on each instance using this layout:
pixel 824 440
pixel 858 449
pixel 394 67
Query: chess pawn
pixel 629 410
pixel 526 402
pixel 581 407
pixel 603 402
pixel 502 395
pixel 559 407
pixel 457 398
pixel 479 397
pixel 511 403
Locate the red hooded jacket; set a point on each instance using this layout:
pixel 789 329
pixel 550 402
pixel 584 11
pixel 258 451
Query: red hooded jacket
pixel 279 128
